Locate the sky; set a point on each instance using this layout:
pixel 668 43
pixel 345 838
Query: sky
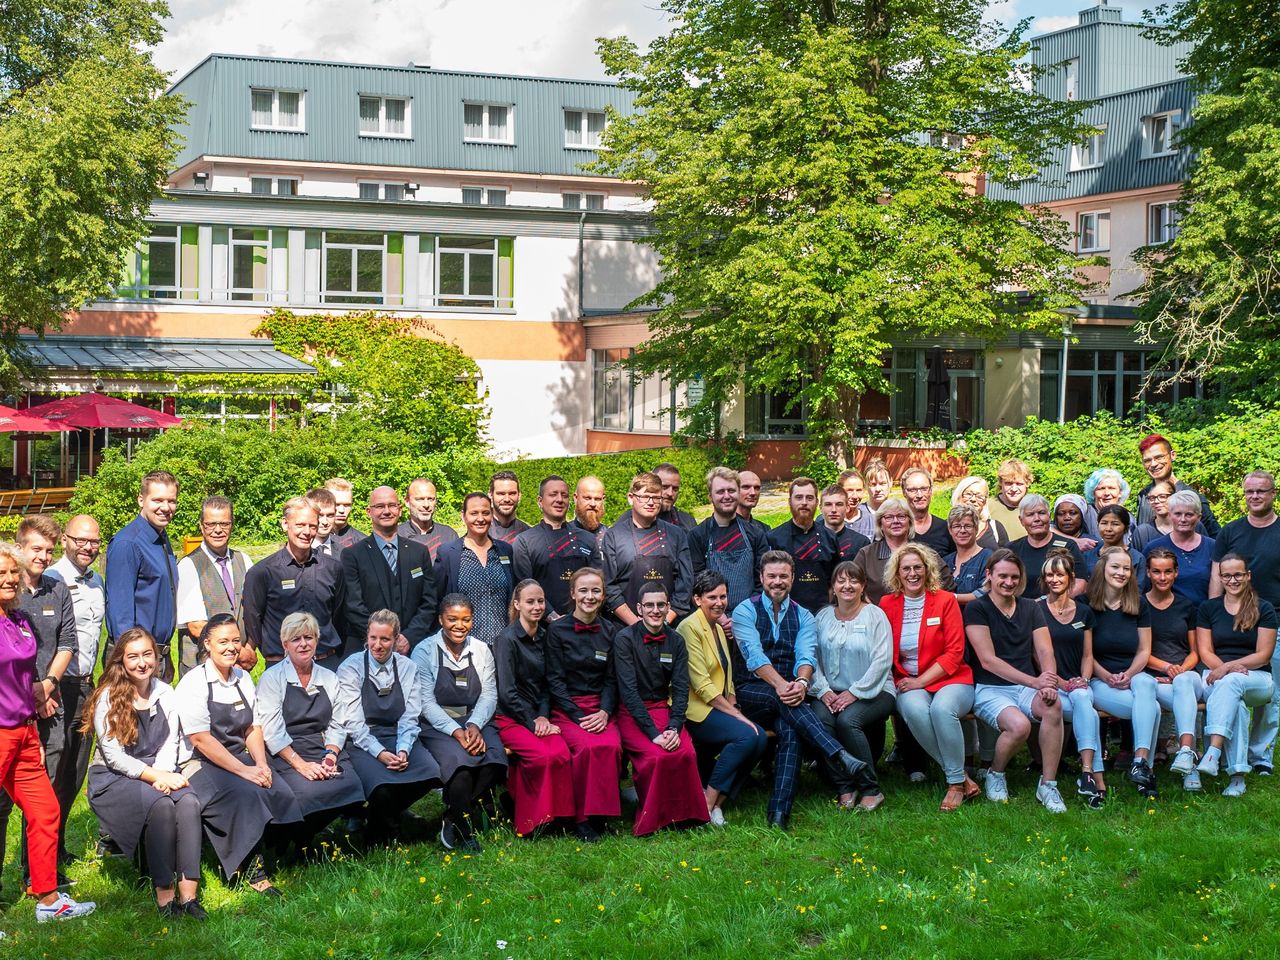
pixel 555 38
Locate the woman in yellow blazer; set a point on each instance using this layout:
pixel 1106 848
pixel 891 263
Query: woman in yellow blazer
pixel 725 739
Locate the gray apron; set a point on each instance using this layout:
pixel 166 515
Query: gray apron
pixel 457 692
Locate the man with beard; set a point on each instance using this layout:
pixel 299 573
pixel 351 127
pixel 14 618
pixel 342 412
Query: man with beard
pixel 810 544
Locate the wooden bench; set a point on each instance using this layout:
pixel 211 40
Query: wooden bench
pixel 47 500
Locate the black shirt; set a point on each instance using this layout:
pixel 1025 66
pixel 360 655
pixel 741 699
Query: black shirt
pixel 280 585
pixel 1260 546
pixel 580 663
pixel 1033 559
pixel 1115 636
pixel 625 546
pixel 433 539
pixel 814 551
pixel 521 665
pixel 1011 637
pixel 679 517
pixel 937 537
pixel 736 541
pixel 1068 638
pixel 551 556
pixel 52 614
pixel 595 534
pixel 1169 629
pixel 507 533
pixel 848 542
pixel 1228 642
pixel 648 671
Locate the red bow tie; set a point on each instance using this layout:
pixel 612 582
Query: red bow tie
pixel 585 627
pixel 654 637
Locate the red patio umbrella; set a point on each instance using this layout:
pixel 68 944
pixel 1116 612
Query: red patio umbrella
pixel 96 410
pixel 20 421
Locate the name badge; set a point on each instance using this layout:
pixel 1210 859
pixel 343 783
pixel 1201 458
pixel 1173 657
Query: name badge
pixel 1058 543
pixel 415 573
pixel 288 584
pixel 506 560
pixel 46 611
pixel 26 633
pixel 459 681
pixel 1079 625
pixel 664 658
pixel 602 655
pixel 239 705
pixel 933 622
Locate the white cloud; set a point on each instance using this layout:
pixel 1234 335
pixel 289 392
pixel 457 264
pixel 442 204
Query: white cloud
pixel 536 37
pixel 1049 24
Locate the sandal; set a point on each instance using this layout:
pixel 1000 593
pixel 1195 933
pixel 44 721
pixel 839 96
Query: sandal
pixel 848 801
pixel 955 798
pixel 971 789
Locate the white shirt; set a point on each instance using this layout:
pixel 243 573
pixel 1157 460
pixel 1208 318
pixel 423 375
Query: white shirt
pixel 192 695
pixel 909 644
pixel 268 710
pixel 191 606
pixel 426 657
pixel 112 753
pixel 89 596
pixel 351 684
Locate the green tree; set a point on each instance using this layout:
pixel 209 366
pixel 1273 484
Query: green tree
pixel 85 142
pixel 812 168
pixel 1213 293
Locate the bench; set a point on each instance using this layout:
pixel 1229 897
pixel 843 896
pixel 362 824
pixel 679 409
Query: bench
pixel 47 500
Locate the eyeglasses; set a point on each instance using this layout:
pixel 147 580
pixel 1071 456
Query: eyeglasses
pixel 216 524
pixel 1232 577
pixel 1158 497
pixel 653 605
pixel 915 491
pixel 1155 458
pixel 646 497
pixel 1259 493
pixel 82 543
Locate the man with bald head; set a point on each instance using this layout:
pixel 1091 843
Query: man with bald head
pixel 588 507
pixel 748 496
pixel 421 526
pixel 388 571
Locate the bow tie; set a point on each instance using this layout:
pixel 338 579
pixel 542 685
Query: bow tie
pixel 579 627
pixel 654 637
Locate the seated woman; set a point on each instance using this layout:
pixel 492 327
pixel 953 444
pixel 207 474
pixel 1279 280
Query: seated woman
pixel 297 709
pixel 1070 622
pixel 135 790
pixel 933 683
pixel 1121 646
pixel 243 805
pixel 651 662
pixel 974 492
pixel 459 688
pixel 1235 636
pixel 1173 659
pixel 968 565
pixel 583 700
pixel 1012 659
pixel 1114 522
pixel 380 706
pixel 851 681
pixel 541 775
pixel 725 740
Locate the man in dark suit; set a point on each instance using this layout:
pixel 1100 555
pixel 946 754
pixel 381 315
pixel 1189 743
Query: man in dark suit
pixel 385 571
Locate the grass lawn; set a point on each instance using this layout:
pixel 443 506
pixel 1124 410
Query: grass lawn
pixel 1183 876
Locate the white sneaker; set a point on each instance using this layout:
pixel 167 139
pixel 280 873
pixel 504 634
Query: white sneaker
pixel 1184 761
pixel 1235 788
pixel 997 787
pixel 917 776
pixel 64 908
pixel 1047 793
pixel 1208 764
pixel 1191 782
pixel 717 817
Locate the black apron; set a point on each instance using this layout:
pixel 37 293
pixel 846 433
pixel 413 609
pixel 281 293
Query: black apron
pixel 235 811
pixel 564 559
pixel 382 712
pixel 457 692
pixel 654 568
pixel 122 804
pixel 306 718
pixel 739 573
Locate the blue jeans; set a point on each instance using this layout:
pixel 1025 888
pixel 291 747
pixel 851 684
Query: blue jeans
pixel 1226 712
pixel 736 746
pixel 934 720
pixel 1266 721
pixel 1182 697
pixel 1138 705
pixel 1078 709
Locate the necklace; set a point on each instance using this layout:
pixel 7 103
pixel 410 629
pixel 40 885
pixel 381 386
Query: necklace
pixel 1060 611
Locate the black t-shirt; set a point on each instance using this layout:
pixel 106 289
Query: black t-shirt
pixel 1033 559
pixel 1228 642
pixel 1115 636
pixel 1169 628
pixel 1260 546
pixel 1068 638
pixel 1011 637
pixel 937 536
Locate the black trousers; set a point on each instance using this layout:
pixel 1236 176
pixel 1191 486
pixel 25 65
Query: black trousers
pixel 77 747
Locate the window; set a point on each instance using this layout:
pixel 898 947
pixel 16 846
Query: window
pixel 582 201
pixel 947 141
pixel 279 186
pixel 623 400
pixel 276 109
pixel 1162 222
pixel 1160 132
pixel 1094 231
pixel 250 256
pixel 352 267
pixel 1073 79
pixel 384 117
pixel 469 272
pixel 492 196
pixel 488 123
pixel 1107 381
pixel 583 128
pixel 160 264
pixel 381 191
pixel 1088 154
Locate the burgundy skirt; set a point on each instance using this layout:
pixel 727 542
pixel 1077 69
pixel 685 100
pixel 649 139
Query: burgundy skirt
pixel 596 761
pixel 666 781
pixel 539 778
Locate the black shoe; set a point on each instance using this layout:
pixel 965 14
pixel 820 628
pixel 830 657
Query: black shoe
pixel 471 845
pixel 1262 769
pixel 171 910
pixel 450 836
pixel 256 872
pixel 108 848
pixel 1087 787
pixel 585 832
pixel 193 910
pixel 1140 775
pixel 779 822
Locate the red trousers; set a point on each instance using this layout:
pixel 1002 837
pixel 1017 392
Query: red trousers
pixel 539 776
pixel 667 781
pixel 23 777
pixel 596 761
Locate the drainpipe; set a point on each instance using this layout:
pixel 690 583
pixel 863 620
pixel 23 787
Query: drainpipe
pixel 582 224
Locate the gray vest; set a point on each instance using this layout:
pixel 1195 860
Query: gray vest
pixel 213 589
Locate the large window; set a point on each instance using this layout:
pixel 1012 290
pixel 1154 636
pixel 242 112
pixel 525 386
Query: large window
pixel 1094 231
pixel 278 186
pixel 622 400
pixel 1073 78
pixel 250 264
pixel 582 201
pixel 473 272
pixel 488 123
pixel 276 109
pixel 1162 222
pixel 161 264
pixel 381 191
pixel 492 196
pixel 384 117
pixel 1088 153
pixel 1160 133
pixel 1106 380
pixel 583 128
pixel 353 267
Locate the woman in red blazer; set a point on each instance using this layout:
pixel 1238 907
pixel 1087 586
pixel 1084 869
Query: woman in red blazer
pixel 935 685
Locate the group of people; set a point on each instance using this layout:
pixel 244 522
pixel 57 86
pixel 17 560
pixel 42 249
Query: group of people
pixel 552 659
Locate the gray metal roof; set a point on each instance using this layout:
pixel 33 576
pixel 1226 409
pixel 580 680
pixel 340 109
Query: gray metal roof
pixel 218 122
pixel 158 355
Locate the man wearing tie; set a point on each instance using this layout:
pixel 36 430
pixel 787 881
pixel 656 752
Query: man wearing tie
pixel 210 579
pixel 326 505
pixel 386 571
pixel 142 572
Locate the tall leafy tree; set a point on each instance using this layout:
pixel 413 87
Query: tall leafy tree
pixel 815 168
pixel 85 143
pixel 1213 293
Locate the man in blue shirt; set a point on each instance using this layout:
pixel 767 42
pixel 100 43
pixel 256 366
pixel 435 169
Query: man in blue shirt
pixel 142 572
